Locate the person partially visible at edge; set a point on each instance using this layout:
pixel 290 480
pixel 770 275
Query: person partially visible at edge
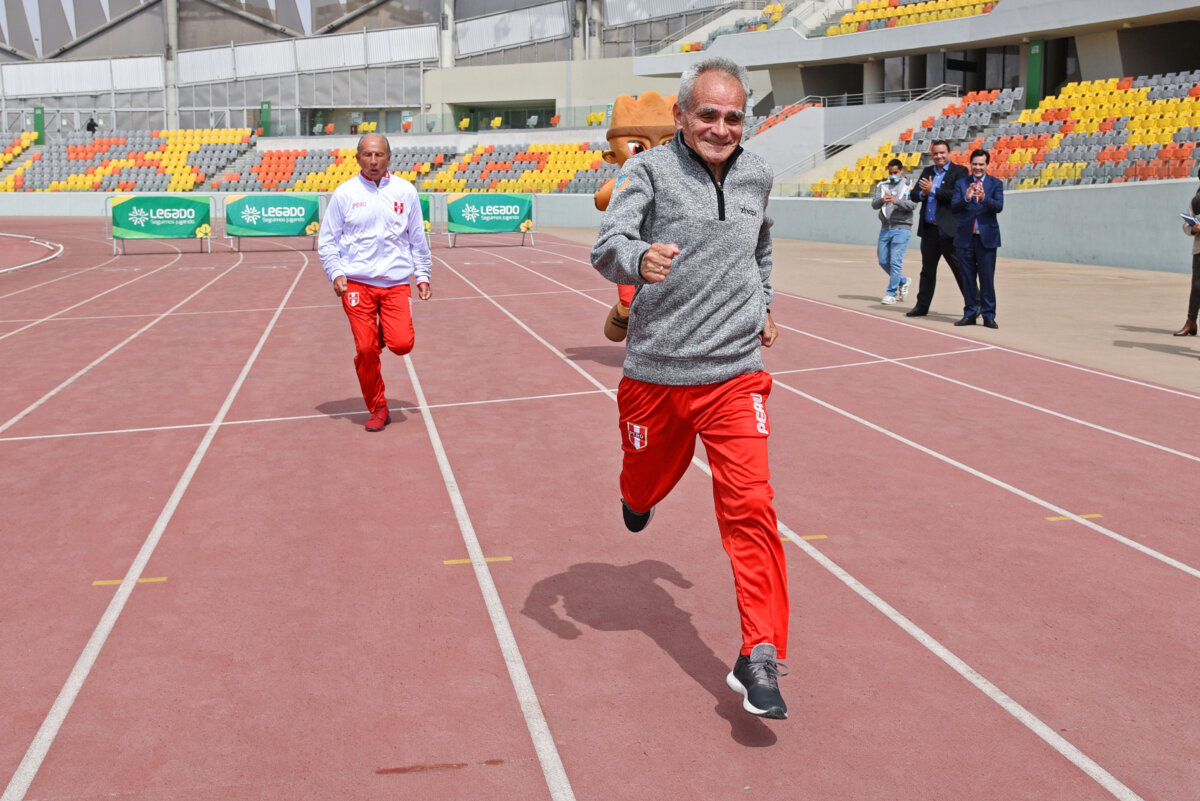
pixel 891 199
pixel 372 245
pixel 978 198
pixel 936 226
pixel 687 227
pixel 1189 325
pixel 638 124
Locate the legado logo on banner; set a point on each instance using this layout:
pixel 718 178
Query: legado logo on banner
pixel 480 213
pixel 272 215
pixel 159 217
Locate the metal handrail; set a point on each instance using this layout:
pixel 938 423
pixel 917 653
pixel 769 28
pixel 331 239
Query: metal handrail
pixel 835 147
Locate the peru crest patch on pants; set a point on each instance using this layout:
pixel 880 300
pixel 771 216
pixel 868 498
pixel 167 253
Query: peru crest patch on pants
pixel 637 435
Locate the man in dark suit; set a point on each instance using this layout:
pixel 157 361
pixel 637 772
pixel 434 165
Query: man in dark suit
pixel 977 200
pixel 934 191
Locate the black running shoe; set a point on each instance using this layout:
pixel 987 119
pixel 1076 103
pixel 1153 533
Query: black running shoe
pixel 635 521
pixel 756 677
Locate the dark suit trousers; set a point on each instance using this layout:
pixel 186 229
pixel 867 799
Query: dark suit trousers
pixel 934 247
pixel 1194 299
pixel 978 280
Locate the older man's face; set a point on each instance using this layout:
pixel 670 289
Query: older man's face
pixel 713 125
pixel 373 157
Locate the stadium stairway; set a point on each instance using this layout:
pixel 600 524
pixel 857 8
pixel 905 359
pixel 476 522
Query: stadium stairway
pixel 9 169
pixel 865 148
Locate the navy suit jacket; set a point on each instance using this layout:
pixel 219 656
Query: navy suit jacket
pixel 983 212
pixel 944 194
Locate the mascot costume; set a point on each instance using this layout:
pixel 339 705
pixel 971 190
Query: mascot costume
pixel 636 125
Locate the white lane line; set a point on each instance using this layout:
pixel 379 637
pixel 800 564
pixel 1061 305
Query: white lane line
pixel 946 334
pixel 20 415
pixel 975 346
pixel 880 360
pixel 1001 348
pixel 178 256
pixel 1029 720
pixel 36 241
pixel 266 308
pixel 1020 493
pixel 539 731
pixel 1026 718
pixel 1000 396
pixel 36 753
pixel 260 420
pixel 51 281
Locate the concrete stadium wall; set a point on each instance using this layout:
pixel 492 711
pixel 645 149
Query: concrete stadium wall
pixel 1123 225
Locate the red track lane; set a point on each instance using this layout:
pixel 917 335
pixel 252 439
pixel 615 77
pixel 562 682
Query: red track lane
pixel 1057 462
pixel 1133 409
pixel 618 617
pixel 74 513
pixel 17 251
pixel 309 640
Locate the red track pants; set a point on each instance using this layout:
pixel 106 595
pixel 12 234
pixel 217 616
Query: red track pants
pixel 378 316
pixel 659 425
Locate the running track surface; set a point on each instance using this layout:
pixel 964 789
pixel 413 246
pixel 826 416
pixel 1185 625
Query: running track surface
pixel 217 585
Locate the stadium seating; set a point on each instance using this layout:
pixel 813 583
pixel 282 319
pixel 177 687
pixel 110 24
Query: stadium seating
pixel 770 15
pixel 1116 130
pixel 871 15
pixel 162 161
pixel 777 115
pixel 553 167
pixel 1093 132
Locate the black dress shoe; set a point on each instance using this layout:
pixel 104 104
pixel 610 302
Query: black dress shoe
pixel 916 312
pixel 990 324
pixel 965 321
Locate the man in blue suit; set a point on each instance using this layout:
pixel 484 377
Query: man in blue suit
pixel 934 191
pixel 978 198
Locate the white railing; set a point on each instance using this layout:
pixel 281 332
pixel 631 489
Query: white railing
pixel 916 98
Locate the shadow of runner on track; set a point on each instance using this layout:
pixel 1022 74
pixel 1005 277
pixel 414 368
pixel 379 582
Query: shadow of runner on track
pixel 607 355
pixel 628 598
pixel 353 411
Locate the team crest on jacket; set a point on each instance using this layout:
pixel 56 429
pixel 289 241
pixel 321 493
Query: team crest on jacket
pixel 637 435
pixel 352 298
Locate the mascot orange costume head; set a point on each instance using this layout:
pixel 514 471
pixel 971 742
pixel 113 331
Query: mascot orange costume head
pixel 637 124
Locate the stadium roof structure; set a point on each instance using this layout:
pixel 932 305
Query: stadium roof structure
pixel 1010 22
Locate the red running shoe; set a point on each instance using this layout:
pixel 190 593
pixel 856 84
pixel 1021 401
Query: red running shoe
pixel 378 419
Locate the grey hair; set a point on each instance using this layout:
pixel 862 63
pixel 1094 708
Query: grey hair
pixel 387 146
pixel 687 82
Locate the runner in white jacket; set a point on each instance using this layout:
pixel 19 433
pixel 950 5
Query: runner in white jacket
pixel 372 245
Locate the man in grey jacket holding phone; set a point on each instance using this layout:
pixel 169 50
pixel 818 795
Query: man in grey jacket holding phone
pixel 891 199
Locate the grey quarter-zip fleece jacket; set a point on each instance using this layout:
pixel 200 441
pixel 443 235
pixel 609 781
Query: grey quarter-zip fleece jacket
pixel 700 325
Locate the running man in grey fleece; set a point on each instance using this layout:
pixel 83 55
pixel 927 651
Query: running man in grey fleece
pixel 687 226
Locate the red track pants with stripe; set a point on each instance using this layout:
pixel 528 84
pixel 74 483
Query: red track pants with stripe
pixel 378 316
pixel 659 425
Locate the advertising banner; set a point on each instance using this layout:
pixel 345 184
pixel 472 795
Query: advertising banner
pixel 489 213
pixel 161 217
pixel 424 198
pixel 281 214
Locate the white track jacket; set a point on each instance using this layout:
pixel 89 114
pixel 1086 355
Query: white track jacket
pixel 375 234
